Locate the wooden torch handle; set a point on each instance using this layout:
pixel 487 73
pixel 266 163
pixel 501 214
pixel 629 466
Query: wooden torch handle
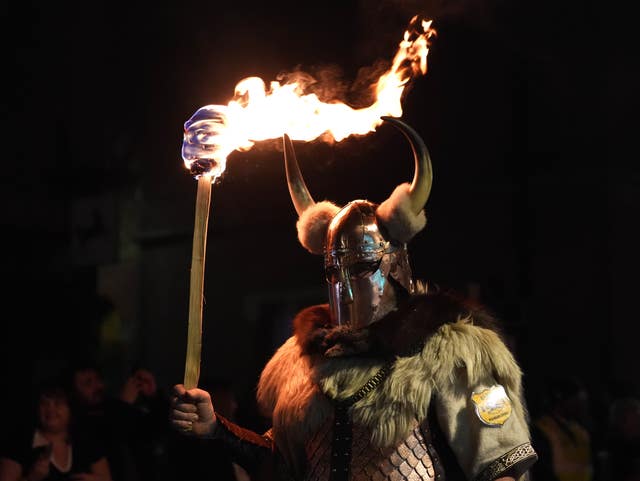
pixel 194 335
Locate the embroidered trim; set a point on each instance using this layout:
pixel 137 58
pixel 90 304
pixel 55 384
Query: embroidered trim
pixel 506 461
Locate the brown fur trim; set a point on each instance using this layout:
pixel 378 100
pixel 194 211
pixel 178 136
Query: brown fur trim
pixel 289 396
pixel 402 332
pixel 310 326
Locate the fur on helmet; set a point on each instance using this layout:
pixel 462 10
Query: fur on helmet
pixel 397 216
pixel 313 224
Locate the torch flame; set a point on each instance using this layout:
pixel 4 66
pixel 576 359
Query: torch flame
pixel 259 113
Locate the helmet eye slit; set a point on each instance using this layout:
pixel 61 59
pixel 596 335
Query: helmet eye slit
pixel 358 270
pixel 364 269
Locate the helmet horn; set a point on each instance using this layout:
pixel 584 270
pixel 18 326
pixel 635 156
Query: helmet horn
pixel 300 195
pixel 423 175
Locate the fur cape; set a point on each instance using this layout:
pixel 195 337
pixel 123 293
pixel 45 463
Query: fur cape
pixel 428 340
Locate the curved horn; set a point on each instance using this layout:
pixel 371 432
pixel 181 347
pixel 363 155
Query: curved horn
pixel 300 195
pixel 423 176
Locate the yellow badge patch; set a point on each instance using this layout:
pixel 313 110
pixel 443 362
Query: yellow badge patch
pixel 493 406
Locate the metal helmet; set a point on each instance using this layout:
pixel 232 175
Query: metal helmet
pixel 360 263
pixel 365 263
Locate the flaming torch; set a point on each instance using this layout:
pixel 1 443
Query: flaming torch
pixel 258 113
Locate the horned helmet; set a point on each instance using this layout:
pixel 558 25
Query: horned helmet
pixel 364 244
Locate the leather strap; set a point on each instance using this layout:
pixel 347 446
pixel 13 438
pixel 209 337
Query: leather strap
pixel 342 426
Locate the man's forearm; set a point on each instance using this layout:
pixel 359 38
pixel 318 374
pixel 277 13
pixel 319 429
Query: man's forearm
pixel 252 451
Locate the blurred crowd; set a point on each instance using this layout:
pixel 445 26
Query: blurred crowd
pixel 78 428
pixel 81 429
pixel 580 435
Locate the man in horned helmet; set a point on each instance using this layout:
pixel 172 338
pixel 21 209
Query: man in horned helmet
pixel 389 380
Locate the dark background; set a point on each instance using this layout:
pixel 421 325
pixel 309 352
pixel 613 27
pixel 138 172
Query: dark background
pixel 527 110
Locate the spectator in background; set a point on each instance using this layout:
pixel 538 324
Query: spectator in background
pixel 52 449
pixel 133 423
pixel 560 434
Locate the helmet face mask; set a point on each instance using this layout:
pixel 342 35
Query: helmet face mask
pixel 359 262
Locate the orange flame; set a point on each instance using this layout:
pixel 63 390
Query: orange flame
pixel 257 113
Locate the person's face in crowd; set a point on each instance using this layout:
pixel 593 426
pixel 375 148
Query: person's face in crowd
pixel 146 381
pixel 89 386
pixel 54 413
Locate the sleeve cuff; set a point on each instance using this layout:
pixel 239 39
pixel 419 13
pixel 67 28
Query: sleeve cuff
pixel 514 463
pixel 230 432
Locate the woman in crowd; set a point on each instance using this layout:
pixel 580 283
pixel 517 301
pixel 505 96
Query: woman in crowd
pixel 52 450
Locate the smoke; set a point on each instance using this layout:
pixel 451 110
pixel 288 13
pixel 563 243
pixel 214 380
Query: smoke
pixel 379 28
pixel 326 81
pixel 388 17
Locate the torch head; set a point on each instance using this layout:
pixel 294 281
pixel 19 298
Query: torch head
pixel 361 265
pixel 203 144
